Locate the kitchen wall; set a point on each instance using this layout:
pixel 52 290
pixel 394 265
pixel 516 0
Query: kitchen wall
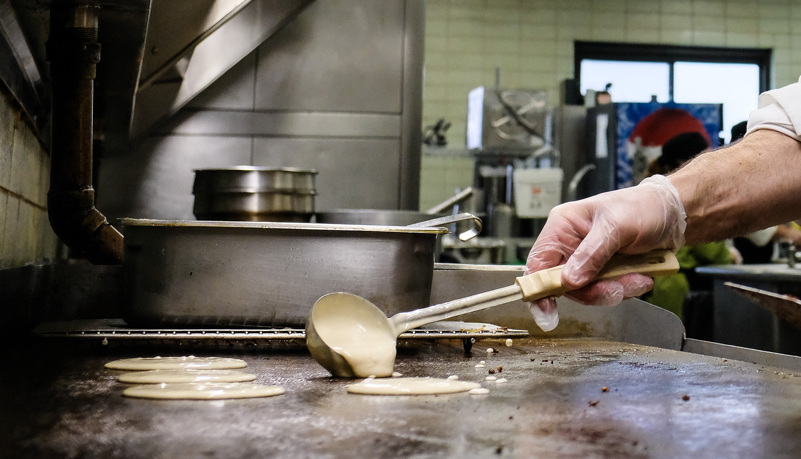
pixel 531 41
pixel 25 233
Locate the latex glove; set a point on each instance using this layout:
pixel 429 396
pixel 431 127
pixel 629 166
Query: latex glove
pixel 583 235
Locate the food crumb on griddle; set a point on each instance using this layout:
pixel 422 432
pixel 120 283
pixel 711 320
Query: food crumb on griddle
pixel 686 397
pixel 509 342
pixel 479 391
pixel 594 403
pixel 490 350
pixel 491 371
pixel 604 389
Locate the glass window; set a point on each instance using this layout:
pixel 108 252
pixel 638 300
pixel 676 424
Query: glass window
pixel 736 86
pixel 631 81
pixel 733 77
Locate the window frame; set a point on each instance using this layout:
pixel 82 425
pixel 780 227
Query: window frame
pixel 670 54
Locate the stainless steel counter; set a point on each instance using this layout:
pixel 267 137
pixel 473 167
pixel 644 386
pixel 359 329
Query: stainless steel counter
pixel 741 322
pixel 60 402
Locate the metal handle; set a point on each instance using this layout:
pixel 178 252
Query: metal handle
pixel 470 233
pixel 452 201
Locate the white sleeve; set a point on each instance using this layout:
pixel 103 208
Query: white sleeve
pixel 762 237
pixel 779 110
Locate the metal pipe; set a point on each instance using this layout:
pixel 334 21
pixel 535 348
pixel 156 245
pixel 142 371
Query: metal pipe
pixel 73 52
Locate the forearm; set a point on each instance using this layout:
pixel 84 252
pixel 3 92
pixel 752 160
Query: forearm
pixel 748 186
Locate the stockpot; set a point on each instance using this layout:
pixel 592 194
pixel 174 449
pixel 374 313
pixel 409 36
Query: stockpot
pixel 214 273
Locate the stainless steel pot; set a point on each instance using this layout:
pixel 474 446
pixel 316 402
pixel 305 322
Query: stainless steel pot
pixel 268 274
pixel 253 179
pixel 249 193
pixel 391 217
pixel 379 217
pixel 467 226
pixel 255 206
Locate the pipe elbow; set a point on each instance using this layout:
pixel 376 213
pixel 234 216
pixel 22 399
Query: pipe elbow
pixel 77 222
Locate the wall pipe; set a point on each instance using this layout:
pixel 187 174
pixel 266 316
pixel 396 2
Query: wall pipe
pixel 73 52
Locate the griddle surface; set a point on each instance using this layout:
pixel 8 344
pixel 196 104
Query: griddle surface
pixel 552 405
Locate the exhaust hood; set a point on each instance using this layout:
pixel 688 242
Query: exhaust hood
pixel 156 56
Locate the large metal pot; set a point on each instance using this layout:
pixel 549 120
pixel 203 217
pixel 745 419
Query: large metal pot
pixel 268 274
pixel 250 193
pixel 379 217
pixel 466 225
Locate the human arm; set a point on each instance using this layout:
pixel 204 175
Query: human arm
pixel 723 193
pixel 750 185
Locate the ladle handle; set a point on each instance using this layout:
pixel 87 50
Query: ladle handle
pixel 534 286
pixel 548 282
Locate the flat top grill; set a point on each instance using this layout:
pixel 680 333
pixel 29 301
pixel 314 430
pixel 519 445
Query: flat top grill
pixel 657 403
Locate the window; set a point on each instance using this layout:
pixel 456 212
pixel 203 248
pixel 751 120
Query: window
pixel 733 77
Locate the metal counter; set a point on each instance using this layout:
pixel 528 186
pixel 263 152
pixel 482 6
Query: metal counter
pixel 741 322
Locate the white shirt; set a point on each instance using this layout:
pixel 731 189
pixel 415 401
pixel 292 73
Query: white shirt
pixel 761 238
pixel 779 110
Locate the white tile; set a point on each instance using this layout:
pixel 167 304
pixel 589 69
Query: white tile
pixel 26 233
pixel 7 122
pixel 774 25
pixel 742 8
pixel 742 40
pixel 676 6
pixel 642 21
pixel 715 8
pixel 676 37
pixel 26 163
pixel 11 228
pixel 4 223
pixel 644 6
pixel 643 35
pixel 774 10
pixel 741 25
pixel 704 38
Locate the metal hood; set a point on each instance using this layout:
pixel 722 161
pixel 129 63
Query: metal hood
pixel 156 56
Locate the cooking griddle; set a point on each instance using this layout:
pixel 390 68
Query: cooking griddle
pixel 657 403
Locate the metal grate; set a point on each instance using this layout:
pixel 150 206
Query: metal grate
pixel 117 329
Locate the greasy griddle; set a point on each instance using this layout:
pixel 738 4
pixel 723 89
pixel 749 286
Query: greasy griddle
pixel 659 403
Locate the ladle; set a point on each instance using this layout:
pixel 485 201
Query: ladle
pixel 351 337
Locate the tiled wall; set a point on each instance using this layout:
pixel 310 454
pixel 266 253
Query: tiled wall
pixel 531 41
pixel 25 233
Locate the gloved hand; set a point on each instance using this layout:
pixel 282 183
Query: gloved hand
pixel 585 234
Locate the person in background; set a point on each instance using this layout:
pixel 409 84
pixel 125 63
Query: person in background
pixel 759 246
pixel 722 193
pixel 686 294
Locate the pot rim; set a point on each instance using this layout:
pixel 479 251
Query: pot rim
pixel 143 222
pixel 258 169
